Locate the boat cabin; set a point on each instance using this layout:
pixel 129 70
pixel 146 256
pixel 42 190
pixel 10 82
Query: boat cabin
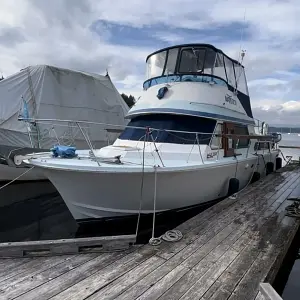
pixel 194 63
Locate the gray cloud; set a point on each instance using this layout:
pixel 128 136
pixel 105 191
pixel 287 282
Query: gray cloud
pixel 11 36
pixel 283 114
pixel 58 33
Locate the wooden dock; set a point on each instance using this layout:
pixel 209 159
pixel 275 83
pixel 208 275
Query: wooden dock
pixel 226 252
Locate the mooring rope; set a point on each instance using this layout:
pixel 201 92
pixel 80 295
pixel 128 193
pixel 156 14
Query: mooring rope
pixel 5 185
pixel 142 185
pixel 169 236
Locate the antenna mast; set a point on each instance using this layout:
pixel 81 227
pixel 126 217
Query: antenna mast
pixel 241 53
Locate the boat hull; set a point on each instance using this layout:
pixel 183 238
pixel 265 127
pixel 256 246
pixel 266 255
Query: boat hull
pixel 91 195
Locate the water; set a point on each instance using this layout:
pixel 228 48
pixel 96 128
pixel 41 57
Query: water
pixel 287 282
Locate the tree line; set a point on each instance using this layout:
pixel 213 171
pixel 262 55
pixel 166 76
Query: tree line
pixel 130 100
pixel 284 129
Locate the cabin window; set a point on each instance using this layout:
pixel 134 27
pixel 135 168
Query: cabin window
pixel 262 146
pixel 192 60
pixel 240 143
pixel 241 79
pixel 162 122
pixel 156 64
pixel 230 143
pixel 209 63
pixel 229 71
pixel 171 62
pixel 216 142
pixel 219 69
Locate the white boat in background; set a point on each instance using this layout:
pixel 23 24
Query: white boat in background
pixel 55 93
pixel 191 140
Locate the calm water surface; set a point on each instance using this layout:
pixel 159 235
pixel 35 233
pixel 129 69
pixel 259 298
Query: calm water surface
pixel 291 290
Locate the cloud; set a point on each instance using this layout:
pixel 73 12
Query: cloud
pixel 97 35
pixel 283 114
pixel 10 37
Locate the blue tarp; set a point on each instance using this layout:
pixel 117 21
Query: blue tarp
pixel 63 151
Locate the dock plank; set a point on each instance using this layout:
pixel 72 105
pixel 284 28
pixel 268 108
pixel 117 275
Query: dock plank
pixel 31 265
pixel 63 282
pixel 203 284
pixel 164 284
pixel 223 215
pixel 21 285
pixel 230 278
pixel 212 216
pixel 99 279
pixel 225 253
pixel 128 279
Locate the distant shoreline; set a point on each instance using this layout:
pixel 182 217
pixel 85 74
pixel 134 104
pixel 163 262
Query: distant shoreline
pixel 284 129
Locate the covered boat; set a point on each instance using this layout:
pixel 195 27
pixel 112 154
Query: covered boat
pixel 54 93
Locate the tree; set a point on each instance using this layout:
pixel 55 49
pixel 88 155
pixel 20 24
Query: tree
pixel 130 100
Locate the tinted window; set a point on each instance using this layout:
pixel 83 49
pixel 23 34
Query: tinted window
pixel 192 60
pixel 241 142
pixel 170 122
pixel 210 59
pixel 230 72
pixel 171 62
pixel 219 69
pixel 262 146
pixel 241 79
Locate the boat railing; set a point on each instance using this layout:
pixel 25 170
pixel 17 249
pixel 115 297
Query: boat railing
pixel 82 126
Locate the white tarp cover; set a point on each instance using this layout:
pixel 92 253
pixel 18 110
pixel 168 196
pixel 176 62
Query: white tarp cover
pixel 55 93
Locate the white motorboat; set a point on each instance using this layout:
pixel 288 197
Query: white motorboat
pixel 51 92
pixel 191 139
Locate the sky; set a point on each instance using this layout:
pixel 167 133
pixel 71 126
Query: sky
pixel 100 35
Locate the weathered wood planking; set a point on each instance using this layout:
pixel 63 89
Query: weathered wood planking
pixel 225 253
pixel 66 246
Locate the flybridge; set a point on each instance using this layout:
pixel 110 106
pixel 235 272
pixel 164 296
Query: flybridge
pixel 195 59
pixel 199 63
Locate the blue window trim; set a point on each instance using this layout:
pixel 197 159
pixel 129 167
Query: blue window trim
pixel 191 113
pixel 151 82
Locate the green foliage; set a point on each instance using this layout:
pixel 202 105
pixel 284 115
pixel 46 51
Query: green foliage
pixel 130 100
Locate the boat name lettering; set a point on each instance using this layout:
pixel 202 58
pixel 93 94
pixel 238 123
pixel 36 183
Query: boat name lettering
pixel 211 155
pixel 230 100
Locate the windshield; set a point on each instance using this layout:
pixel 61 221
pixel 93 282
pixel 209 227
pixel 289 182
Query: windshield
pixel 201 60
pixel 155 64
pixel 192 60
pixel 170 122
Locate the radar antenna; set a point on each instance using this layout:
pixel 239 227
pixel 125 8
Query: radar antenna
pixel 241 55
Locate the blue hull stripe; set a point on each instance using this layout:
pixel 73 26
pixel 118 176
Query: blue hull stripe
pixel 191 113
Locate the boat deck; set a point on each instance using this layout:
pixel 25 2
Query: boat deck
pixel 225 253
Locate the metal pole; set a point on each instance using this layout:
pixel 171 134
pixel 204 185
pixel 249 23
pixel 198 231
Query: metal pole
pixel 89 144
pixel 199 147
